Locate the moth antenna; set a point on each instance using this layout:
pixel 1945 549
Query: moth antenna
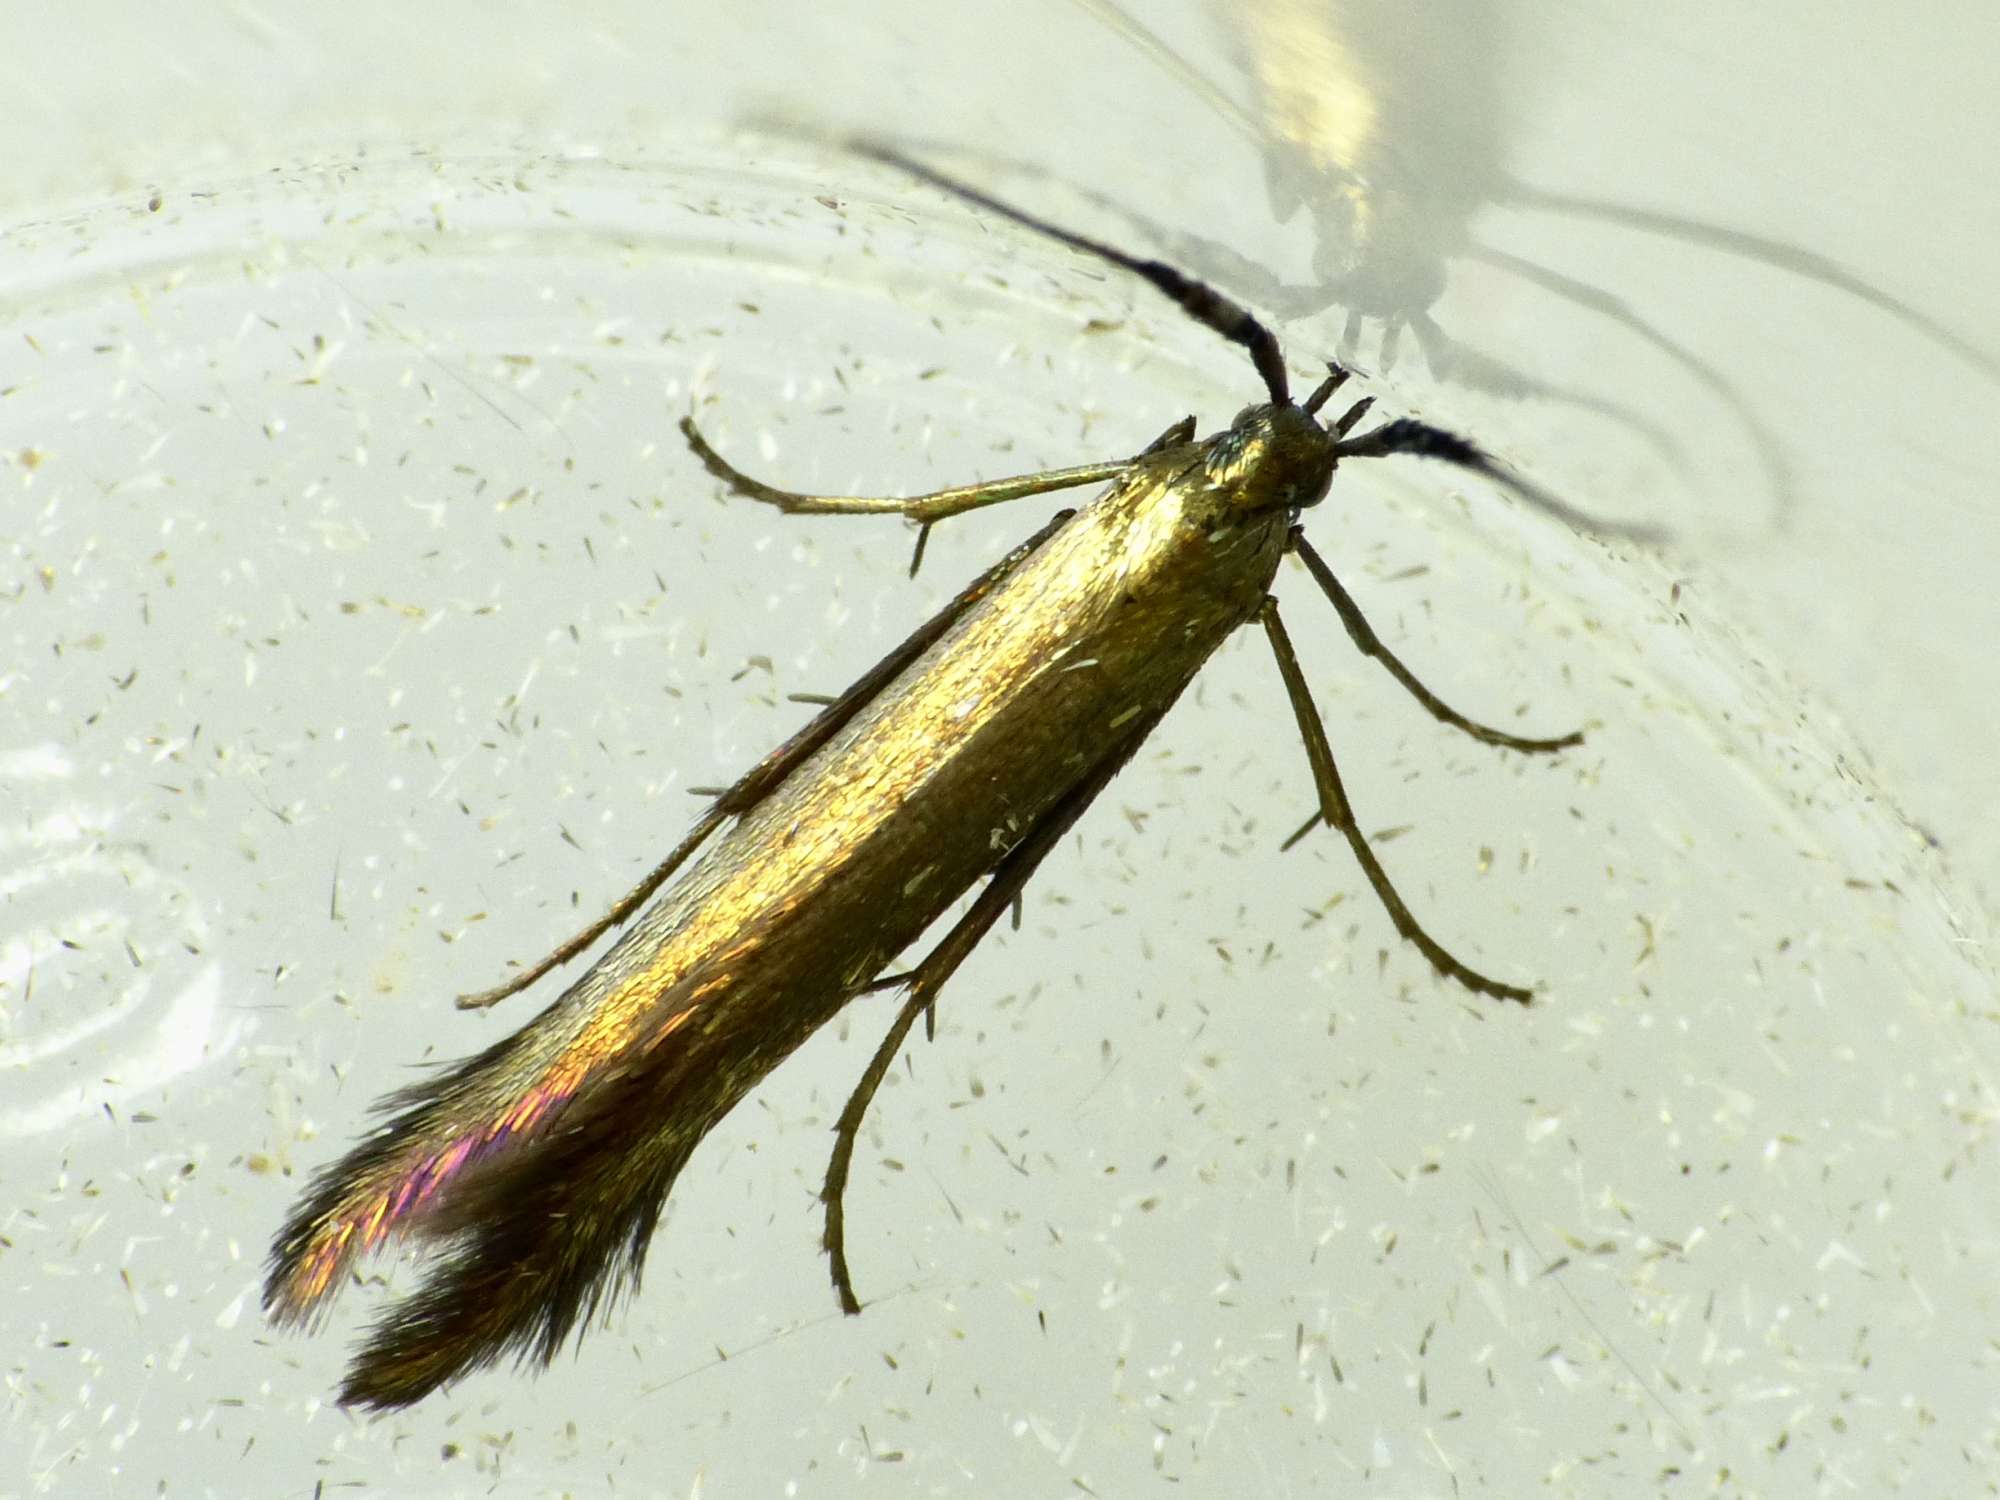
pixel 1420 439
pixel 1197 299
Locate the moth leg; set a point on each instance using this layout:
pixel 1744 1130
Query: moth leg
pixel 1335 809
pixel 622 908
pixel 1010 876
pixel 1369 644
pixel 1181 432
pixel 935 506
pixel 763 778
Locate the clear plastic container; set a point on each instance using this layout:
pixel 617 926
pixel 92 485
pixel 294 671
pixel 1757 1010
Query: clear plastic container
pixel 367 626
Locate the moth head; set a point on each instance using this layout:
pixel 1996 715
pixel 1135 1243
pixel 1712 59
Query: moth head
pixel 1272 457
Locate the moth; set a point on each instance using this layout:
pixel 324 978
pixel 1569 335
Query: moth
pixel 535 1172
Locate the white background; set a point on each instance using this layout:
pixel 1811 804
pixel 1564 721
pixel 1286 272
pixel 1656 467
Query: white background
pixel 365 626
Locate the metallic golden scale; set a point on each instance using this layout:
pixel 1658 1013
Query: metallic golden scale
pixel 537 1170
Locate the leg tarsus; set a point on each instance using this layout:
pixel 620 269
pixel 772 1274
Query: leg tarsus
pixel 622 908
pixel 935 506
pixel 1336 810
pixel 1369 644
pixel 1009 878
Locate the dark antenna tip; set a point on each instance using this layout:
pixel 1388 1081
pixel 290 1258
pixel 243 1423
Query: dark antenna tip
pixel 1197 299
pixel 1420 439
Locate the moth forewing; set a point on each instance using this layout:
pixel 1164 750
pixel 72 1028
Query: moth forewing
pixel 1026 694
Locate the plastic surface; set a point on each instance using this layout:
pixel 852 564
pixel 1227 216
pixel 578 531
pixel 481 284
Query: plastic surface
pixel 366 625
